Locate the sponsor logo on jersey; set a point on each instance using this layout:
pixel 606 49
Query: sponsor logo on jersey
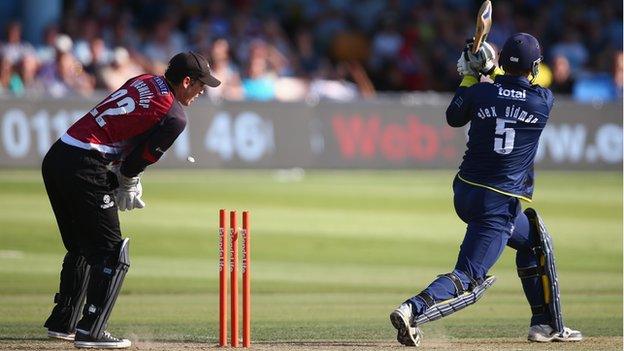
pixel 512 94
pixel 162 86
pixel 458 101
pixel 108 203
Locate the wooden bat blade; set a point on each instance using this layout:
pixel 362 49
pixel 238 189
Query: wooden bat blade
pixel 484 23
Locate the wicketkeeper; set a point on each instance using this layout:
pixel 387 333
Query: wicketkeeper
pixel 93 170
pixel 506 119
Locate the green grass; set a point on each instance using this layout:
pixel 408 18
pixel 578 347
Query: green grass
pixel 332 254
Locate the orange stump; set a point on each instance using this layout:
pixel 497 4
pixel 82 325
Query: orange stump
pixel 222 280
pixel 233 280
pixel 246 281
pixel 233 268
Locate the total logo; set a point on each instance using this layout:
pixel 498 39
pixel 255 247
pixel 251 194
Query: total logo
pixel 512 94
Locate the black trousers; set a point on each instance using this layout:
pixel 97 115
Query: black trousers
pixel 80 189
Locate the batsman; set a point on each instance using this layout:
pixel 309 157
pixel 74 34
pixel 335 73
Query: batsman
pixel 506 119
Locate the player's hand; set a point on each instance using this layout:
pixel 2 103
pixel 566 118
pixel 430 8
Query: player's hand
pixel 128 195
pixel 464 68
pixel 483 60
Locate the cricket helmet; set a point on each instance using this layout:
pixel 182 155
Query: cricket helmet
pixel 521 52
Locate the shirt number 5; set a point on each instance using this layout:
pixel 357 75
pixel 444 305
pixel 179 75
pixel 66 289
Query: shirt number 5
pixel 504 139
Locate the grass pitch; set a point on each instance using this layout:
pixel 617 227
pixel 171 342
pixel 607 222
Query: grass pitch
pixel 332 255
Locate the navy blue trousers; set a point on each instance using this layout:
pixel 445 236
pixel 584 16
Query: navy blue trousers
pixel 494 220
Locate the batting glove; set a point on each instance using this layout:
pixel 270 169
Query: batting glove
pixel 483 61
pixel 128 195
pixel 464 68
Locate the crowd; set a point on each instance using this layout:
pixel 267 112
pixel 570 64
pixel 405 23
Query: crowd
pixel 297 49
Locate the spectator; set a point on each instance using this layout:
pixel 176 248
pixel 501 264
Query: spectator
pixel 225 70
pixel 562 77
pixel 276 63
pixel 310 63
pixel 10 81
pixel 47 51
pixel 15 48
pixel 412 63
pixel 276 39
pixel 217 18
pixel 121 69
pixel 573 50
pixel 165 42
pixel 122 34
pixel 362 14
pixel 82 45
pixel 27 69
pixel 100 58
pixel 68 76
pixel 259 84
pixel 328 24
pixel 386 43
pixel 48 71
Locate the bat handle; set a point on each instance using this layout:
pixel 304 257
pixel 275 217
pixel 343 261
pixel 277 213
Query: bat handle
pixel 476 47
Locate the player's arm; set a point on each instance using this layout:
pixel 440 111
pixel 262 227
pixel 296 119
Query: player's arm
pixel 159 141
pixel 549 99
pixel 130 190
pixel 458 112
pixel 470 66
pixel 128 194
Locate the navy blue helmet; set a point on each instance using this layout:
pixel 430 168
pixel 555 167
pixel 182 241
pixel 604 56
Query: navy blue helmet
pixel 521 52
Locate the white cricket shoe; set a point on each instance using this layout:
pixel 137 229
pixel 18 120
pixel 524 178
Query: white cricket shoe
pixel 107 341
pixel 545 333
pixel 61 336
pixel 401 319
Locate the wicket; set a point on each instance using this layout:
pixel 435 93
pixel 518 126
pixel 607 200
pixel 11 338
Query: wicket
pixel 233 267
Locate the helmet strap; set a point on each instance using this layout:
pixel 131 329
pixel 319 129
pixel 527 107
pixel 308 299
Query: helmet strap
pixel 535 69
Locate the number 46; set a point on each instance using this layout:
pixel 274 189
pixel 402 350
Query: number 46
pixel 247 135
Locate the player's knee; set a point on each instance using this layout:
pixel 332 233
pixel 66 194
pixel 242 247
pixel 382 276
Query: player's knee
pixel 467 279
pixel 106 255
pixel 526 258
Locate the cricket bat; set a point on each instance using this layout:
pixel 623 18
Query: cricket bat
pixel 484 22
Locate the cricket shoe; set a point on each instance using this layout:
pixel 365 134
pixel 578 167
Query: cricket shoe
pixel 545 333
pixel 401 320
pixel 107 341
pixel 61 335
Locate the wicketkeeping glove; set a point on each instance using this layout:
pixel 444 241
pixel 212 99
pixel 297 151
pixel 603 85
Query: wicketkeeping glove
pixel 128 195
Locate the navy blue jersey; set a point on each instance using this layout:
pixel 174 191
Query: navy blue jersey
pixel 507 118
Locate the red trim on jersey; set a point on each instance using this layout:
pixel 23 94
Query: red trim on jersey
pixel 148 156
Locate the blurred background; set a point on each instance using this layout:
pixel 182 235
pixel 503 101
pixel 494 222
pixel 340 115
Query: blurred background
pixel 292 50
pixel 308 84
